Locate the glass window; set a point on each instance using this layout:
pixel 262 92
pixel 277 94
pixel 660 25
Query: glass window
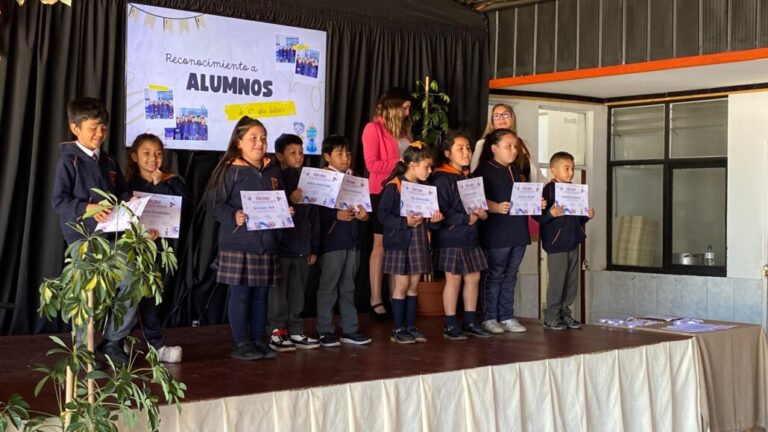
pixel 698 216
pixel 637 215
pixel 698 129
pixel 637 133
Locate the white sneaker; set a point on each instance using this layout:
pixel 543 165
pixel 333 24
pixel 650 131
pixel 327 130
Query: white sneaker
pixel 493 327
pixel 305 342
pixel 169 354
pixel 512 326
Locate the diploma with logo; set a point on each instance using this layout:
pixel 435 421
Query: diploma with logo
pixel 574 198
pixel 266 210
pixel 320 186
pixel 472 194
pixel 418 199
pixel 526 199
pixel 120 218
pixel 353 193
pixel 163 213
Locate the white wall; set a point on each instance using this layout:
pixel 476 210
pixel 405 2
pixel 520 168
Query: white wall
pixel 741 296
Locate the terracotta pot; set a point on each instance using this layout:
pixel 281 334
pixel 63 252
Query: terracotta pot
pixel 431 298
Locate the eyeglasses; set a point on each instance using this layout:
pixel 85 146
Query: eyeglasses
pixel 499 116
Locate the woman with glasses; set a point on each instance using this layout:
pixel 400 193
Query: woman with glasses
pixel 503 117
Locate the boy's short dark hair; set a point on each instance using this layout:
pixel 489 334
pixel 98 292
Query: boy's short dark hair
pixel 561 155
pixel 332 142
pixel 285 140
pixel 80 110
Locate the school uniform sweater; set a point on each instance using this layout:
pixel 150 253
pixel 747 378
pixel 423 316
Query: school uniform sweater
pixel 563 233
pixel 454 231
pixel 501 230
pixel 171 184
pixel 397 233
pixel 337 234
pixel 225 201
pixel 304 238
pixel 76 174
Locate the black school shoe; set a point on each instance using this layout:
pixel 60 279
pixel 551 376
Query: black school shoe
pixel 571 323
pixel 453 333
pixel 355 338
pixel 267 352
pixel 402 336
pixel 113 351
pixel 246 351
pixel 475 330
pixel 383 316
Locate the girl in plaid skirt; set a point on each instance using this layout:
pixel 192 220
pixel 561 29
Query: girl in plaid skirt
pixel 247 259
pixel 456 238
pixel 406 246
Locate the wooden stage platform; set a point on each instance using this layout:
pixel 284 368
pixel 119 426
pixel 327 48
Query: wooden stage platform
pixel 210 373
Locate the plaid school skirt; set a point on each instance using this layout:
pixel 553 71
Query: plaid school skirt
pixel 245 268
pixel 461 260
pixel 411 261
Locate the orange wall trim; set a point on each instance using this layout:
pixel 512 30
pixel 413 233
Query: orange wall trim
pixel 650 66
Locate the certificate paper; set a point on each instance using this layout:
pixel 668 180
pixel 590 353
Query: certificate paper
pixel 526 199
pixel 320 186
pixel 574 198
pixel 472 194
pixel 266 210
pixel 163 213
pixel 418 200
pixel 353 193
pixel 120 218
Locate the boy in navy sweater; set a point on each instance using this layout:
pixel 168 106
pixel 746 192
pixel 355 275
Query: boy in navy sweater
pixel 339 256
pixel 298 251
pixel 81 167
pixel 561 236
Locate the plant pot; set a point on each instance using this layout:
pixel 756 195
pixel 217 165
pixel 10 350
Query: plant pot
pixel 430 298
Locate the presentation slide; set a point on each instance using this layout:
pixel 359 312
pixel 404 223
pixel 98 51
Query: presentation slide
pixel 190 77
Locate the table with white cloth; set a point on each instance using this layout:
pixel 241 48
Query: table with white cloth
pixel 733 375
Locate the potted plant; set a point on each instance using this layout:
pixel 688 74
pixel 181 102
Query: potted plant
pixel 83 294
pixel 429 123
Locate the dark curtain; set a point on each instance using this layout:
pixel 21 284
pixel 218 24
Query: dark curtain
pixel 53 54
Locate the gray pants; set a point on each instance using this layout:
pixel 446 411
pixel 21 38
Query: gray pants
pixel 337 281
pixel 130 319
pixel 286 301
pixel 563 284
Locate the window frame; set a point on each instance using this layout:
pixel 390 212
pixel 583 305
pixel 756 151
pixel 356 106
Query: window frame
pixel 668 164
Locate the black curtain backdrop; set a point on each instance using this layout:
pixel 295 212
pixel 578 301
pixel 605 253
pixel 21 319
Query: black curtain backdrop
pixel 53 54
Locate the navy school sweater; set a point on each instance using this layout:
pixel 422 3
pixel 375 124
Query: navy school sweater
pixel 454 231
pixel 563 233
pixel 397 234
pixel 337 234
pixel 304 238
pixel 76 174
pixel 500 230
pixel 225 201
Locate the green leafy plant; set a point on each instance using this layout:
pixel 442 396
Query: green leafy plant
pixel 83 294
pixel 429 116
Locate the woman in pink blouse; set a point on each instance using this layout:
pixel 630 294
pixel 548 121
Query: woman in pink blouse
pixel 384 139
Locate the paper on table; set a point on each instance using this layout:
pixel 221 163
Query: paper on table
pixel 120 219
pixel 526 199
pixel 418 199
pixel 320 186
pixel 162 213
pixel 574 198
pixel 472 194
pixel 353 193
pixel 266 210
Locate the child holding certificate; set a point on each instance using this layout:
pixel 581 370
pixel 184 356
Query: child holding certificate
pixel 561 236
pixel 144 174
pixel 504 237
pixel 298 251
pixel 456 238
pixel 406 246
pixel 339 257
pixel 247 260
